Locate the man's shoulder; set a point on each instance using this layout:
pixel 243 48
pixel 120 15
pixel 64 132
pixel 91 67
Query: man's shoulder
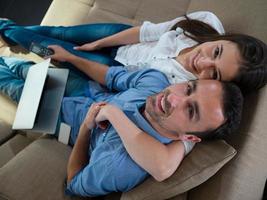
pixel 152 78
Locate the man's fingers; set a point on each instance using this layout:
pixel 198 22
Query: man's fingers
pixel 52 46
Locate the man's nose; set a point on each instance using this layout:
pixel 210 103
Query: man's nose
pixel 176 100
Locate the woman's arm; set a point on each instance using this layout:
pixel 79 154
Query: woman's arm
pixel 129 36
pixel 159 160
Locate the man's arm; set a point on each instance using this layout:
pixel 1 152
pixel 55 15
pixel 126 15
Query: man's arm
pixel 79 155
pixel 159 160
pixel 94 70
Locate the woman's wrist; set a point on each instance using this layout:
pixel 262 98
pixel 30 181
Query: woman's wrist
pixel 84 128
pixel 111 111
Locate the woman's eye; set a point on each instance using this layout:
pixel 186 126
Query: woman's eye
pixel 216 52
pixel 188 89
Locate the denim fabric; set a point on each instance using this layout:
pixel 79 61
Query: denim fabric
pixel 67 37
pixel 13 72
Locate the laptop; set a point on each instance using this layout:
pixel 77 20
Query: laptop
pixel 40 102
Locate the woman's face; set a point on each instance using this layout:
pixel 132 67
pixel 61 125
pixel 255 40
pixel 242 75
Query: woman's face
pixel 212 60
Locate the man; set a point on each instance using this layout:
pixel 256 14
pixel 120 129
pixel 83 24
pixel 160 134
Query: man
pixel 144 111
pixel 138 111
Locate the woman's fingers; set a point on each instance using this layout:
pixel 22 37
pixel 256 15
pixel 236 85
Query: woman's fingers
pixel 90 119
pixel 88 47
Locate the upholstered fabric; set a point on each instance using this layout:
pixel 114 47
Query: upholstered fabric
pixel 126 11
pixel 10 148
pixel 5 131
pixel 243 16
pixel 203 162
pixel 37 172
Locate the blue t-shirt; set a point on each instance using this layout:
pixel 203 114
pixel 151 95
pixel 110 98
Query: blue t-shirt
pixel 110 168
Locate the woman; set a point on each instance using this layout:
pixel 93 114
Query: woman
pixel 183 49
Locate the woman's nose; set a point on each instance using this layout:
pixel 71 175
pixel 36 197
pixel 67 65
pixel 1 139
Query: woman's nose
pixel 205 63
pixel 206 68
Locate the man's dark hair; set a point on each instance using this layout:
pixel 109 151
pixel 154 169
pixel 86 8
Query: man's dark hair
pixel 232 105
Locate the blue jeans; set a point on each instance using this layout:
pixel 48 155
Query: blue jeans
pixel 67 37
pixel 13 72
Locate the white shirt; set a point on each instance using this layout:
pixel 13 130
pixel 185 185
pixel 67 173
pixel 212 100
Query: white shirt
pixel 159 47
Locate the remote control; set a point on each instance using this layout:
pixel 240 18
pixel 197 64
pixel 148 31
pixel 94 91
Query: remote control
pixel 41 50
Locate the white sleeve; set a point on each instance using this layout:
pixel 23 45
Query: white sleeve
pixel 209 18
pixel 188 146
pixel 150 32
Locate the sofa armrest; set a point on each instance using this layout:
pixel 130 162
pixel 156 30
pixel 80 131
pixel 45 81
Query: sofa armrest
pixel 37 172
pixel 72 12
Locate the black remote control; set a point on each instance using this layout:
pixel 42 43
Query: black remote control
pixel 41 50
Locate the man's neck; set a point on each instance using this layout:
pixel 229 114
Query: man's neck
pixel 155 126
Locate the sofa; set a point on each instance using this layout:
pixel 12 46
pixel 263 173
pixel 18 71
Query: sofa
pixel 33 165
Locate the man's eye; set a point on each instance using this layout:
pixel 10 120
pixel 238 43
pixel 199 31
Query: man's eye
pixel 216 52
pixel 188 89
pixel 190 111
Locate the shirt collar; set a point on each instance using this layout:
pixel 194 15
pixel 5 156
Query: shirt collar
pixel 145 126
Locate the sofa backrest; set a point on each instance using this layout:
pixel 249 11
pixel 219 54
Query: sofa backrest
pixel 126 11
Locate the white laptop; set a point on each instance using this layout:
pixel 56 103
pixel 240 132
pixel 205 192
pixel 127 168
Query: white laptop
pixel 40 102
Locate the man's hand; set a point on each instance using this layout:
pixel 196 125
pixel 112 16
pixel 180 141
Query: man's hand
pixel 90 120
pixel 92 46
pixel 60 54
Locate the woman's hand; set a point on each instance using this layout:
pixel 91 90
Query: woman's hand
pixel 92 46
pixel 102 118
pixel 60 54
pixel 90 119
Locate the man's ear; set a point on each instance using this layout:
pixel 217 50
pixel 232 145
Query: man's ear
pixel 192 138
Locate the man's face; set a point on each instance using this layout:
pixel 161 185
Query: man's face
pixel 188 107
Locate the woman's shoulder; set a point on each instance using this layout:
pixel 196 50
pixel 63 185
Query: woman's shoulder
pixel 209 18
pixel 202 15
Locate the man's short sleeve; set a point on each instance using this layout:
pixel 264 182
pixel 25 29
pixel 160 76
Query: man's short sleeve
pixel 88 182
pixel 119 79
pixel 113 173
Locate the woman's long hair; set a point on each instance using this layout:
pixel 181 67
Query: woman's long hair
pixel 253 66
